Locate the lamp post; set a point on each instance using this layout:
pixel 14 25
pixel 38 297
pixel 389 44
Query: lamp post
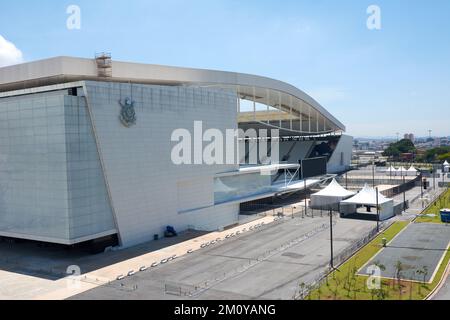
pixel 434 179
pixel 304 190
pixel 421 188
pixel 404 194
pixel 390 172
pixel 378 212
pixel 373 173
pixel 331 239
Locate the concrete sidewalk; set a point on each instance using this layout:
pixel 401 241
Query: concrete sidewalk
pixel 64 288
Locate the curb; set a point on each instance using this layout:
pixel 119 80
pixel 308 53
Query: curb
pixel 441 283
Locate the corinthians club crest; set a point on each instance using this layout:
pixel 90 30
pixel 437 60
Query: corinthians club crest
pixel 127 114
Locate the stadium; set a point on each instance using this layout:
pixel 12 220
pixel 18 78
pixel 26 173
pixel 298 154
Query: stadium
pixel 85 148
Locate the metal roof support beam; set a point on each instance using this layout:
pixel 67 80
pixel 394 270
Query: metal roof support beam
pixel 317 121
pixel 309 119
pixel 290 112
pixel 279 103
pixel 254 103
pixel 301 115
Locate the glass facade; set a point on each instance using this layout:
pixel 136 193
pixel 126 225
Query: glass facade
pixel 236 187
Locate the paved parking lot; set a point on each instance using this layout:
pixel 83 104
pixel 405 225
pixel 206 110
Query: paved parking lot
pixel 247 267
pixel 419 245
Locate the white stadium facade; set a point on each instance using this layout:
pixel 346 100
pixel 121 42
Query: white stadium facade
pixel 86 147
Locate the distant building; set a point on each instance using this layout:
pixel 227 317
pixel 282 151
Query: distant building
pixel 437 142
pixel 409 136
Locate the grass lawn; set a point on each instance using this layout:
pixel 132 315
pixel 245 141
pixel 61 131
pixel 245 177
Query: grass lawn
pixel 345 284
pixel 441 203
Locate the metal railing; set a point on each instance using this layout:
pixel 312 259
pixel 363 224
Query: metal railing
pixel 180 289
pixel 340 259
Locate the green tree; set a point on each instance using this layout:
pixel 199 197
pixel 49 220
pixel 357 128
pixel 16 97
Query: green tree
pixel 403 146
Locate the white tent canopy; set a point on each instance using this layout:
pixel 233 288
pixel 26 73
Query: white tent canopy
pixel 332 194
pixel 412 171
pixel 334 189
pixel 391 169
pixel 368 197
pixel 446 164
pixel 402 171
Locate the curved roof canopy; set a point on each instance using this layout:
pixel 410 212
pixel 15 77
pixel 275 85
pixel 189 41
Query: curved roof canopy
pixel 295 111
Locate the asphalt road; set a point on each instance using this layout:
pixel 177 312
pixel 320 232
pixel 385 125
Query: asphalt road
pixel 444 292
pixel 419 245
pixel 247 267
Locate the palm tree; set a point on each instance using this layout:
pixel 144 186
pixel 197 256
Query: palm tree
pixel 398 275
pixel 422 272
pixel 382 267
pixel 302 290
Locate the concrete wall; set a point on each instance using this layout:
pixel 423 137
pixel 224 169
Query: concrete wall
pixel 51 185
pixel 148 191
pixel 342 156
pixel 89 208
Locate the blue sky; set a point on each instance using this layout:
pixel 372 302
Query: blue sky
pixel 377 82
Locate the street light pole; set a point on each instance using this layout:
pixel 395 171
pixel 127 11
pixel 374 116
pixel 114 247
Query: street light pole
pixel 421 188
pixel 404 194
pixel 434 179
pixel 331 239
pixel 373 173
pixel 378 212
pixel 421 185
pixel 304 184
pixel 390 172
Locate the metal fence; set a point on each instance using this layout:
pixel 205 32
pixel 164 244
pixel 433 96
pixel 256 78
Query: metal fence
pixel 181 289
pixel 338 260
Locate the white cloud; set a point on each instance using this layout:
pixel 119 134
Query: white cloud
pixel 9 54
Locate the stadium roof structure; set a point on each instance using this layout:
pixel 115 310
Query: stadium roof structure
pixel 289 109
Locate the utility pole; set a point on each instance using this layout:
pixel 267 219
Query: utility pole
pixel 304 184
pixel 378 212
pixel 331 239
pixel 390 172
pixel 421 187
pixel 434 179
pixel 373 173
pixel 404 194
